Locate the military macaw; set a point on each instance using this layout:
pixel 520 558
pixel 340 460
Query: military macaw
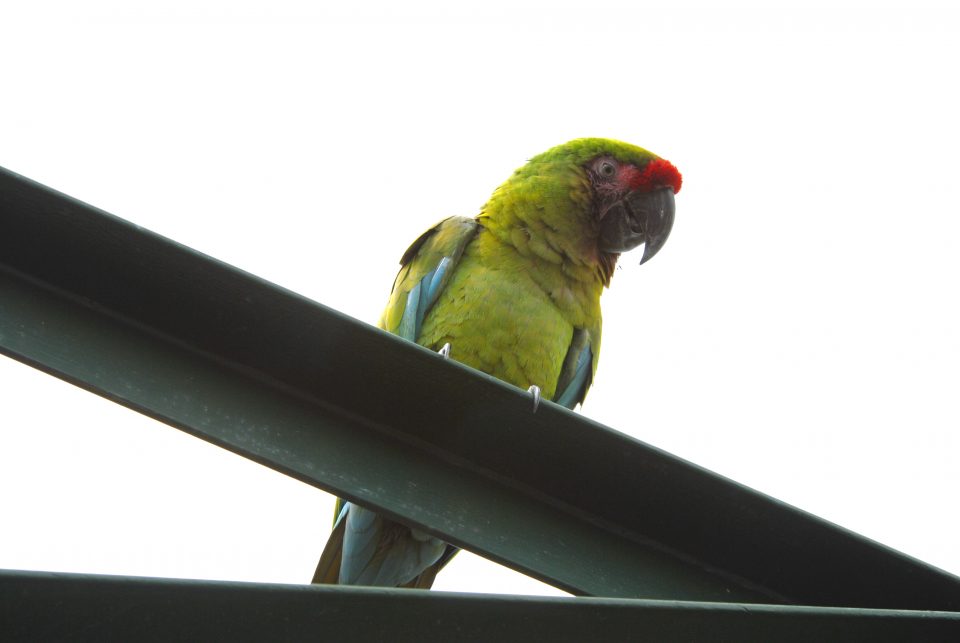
pixel 515 291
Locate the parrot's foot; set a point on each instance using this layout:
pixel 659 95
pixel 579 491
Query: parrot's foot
pixel 535 392
pixel 445 351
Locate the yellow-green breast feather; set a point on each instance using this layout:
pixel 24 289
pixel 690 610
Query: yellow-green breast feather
pixel 493 308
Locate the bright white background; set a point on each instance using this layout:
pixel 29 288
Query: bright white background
pixel 799 333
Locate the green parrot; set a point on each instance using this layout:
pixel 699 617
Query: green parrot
pixel 514 292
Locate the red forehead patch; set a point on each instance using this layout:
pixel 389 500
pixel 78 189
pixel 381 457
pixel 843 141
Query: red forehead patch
pixel 658 173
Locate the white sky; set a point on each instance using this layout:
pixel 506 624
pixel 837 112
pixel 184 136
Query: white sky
pixel 799 333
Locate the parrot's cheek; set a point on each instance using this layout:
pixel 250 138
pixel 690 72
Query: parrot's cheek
pixel 640 217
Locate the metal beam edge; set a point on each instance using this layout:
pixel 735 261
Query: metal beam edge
pixel 38 606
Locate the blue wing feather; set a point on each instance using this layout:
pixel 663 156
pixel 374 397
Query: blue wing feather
pixel 365 561
pixel 408 323
pixel 436 279
pixel 359 542
pixel 574 391
pixel 420 299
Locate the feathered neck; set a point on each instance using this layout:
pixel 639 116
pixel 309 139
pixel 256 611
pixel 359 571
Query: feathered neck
pixel 545 212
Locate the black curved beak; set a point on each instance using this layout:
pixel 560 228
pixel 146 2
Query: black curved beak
pixel 640 217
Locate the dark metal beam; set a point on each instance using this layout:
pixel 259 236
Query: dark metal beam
pixel 59 607
pixel 343 406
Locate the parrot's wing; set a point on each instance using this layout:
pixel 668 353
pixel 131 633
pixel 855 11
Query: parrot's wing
pixel 578 368
pixel 425 269
pixel 365 548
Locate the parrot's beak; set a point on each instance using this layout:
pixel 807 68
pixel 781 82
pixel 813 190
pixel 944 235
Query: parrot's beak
pixel 640 217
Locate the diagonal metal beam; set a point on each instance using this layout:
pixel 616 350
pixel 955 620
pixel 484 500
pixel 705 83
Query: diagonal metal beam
pixel 53 607
pixel 343 406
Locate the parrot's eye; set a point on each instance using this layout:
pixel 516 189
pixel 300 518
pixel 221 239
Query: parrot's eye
pixel 607 170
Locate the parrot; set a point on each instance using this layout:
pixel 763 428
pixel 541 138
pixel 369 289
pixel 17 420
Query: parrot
pixel 513 292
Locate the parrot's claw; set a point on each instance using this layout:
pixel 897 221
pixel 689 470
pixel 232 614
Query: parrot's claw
pixel 535 392
pixel 445 351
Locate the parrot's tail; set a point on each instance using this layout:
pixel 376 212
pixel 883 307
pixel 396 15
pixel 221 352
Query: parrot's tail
pixel 328 569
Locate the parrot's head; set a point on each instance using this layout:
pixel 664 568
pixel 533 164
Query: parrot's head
pixel 594 198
